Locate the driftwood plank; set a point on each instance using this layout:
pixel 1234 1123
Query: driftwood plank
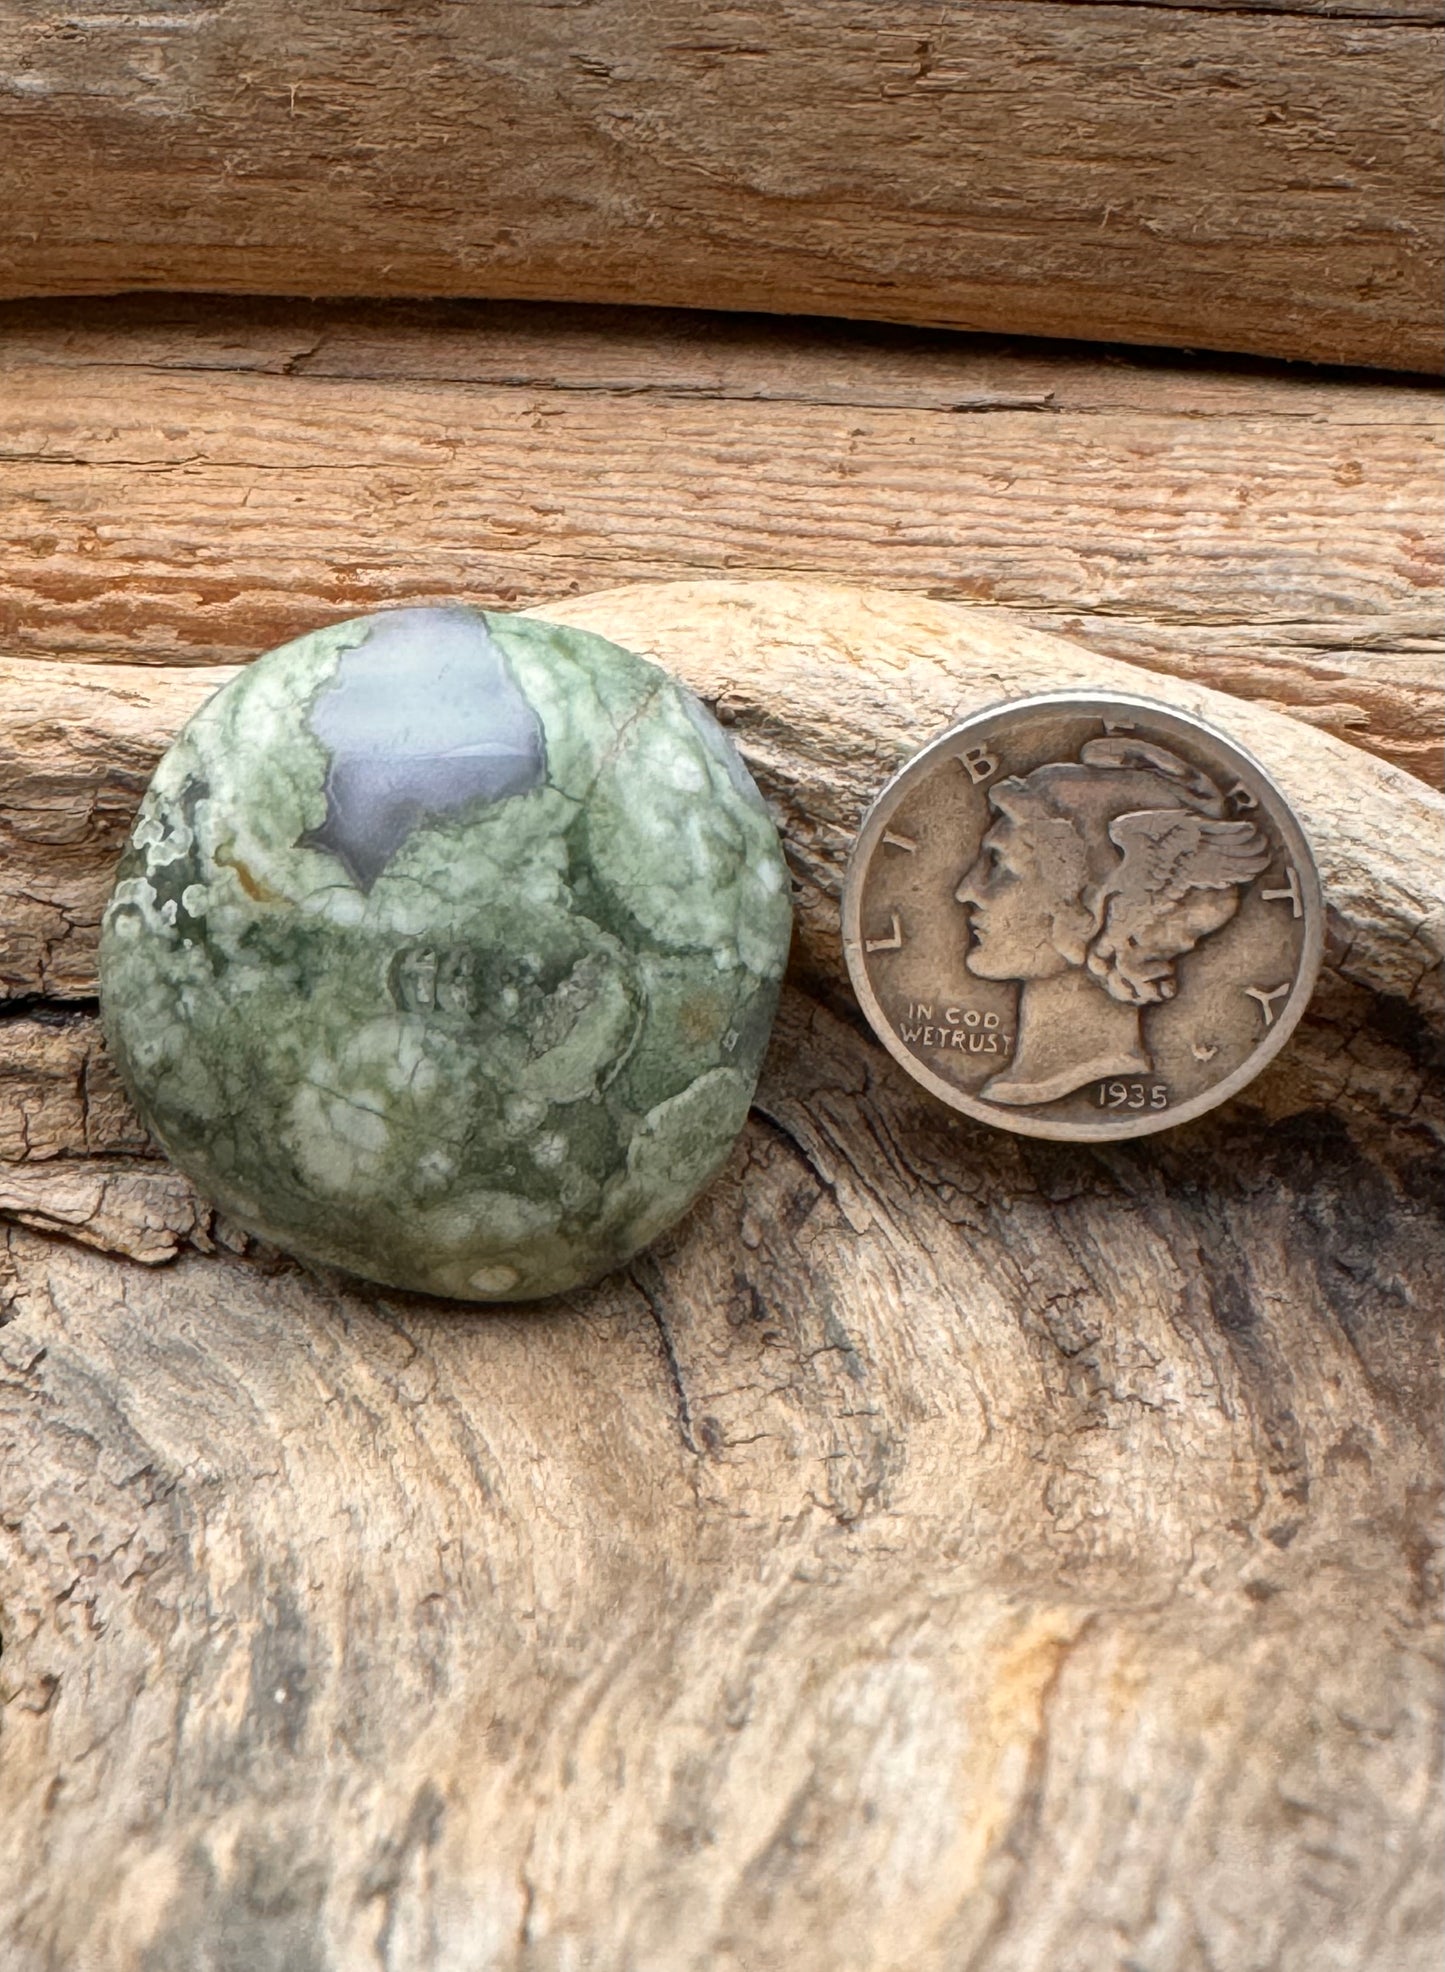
pixel 184 483
pixel 945 1551
pixel 1248 178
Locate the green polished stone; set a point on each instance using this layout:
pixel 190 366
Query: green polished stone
pixel 445 950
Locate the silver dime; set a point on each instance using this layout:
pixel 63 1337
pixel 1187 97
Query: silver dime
pixel 1082 916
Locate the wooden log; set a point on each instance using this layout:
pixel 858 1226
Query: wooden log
pixel 945 1550
pixel 186 482
pixel 1259 179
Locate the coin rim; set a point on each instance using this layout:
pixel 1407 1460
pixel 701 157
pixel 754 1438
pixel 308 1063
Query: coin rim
pixel 947 742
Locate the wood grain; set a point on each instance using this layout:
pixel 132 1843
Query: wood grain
pixel 1257 178
pixel 945 1551
pixel 184 482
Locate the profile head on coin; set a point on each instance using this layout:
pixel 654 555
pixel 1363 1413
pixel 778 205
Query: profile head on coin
pixel 1082 917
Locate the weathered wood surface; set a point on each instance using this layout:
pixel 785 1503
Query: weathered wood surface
pixel 187 482
pixel 946 1553
pixel 1247 178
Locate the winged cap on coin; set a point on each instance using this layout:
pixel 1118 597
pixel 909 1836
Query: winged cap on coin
pixel 1113 867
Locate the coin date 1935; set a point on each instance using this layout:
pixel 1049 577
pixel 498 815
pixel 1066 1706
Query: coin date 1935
pixel 1133 1095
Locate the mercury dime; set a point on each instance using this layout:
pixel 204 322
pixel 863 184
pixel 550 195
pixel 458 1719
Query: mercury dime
pixel 1081 916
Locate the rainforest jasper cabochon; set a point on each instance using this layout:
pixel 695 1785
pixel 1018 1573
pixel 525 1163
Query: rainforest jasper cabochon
pixel 445 950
